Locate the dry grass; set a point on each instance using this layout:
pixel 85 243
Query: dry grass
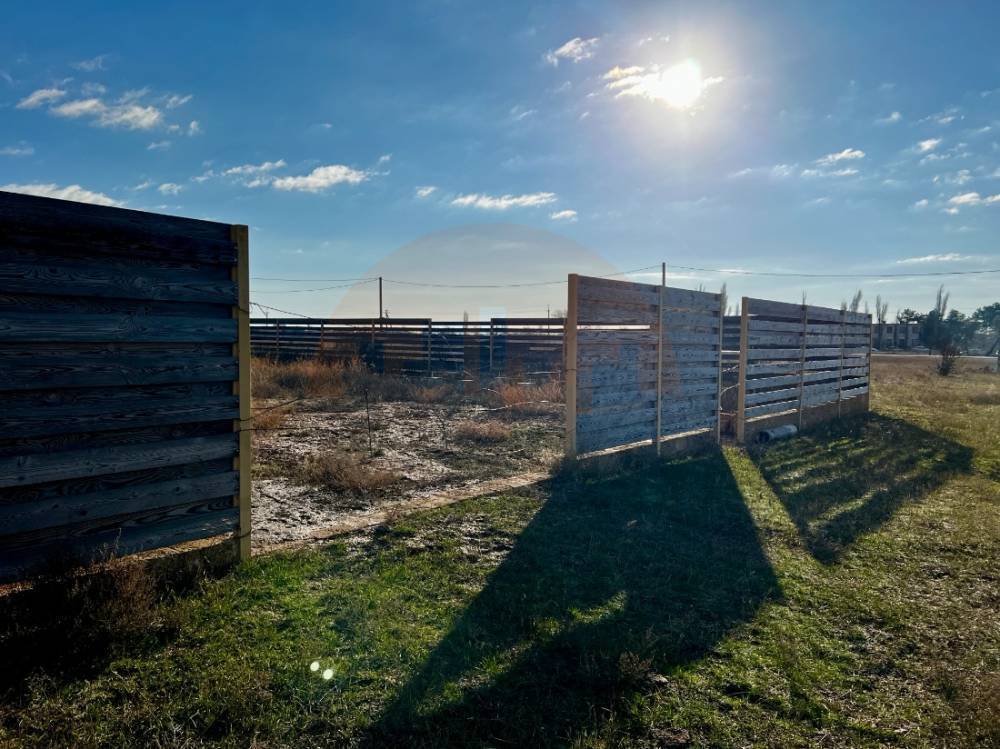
pixel 344 472
pixel 528 398
pixel 300 379
pixel 269 418
pixel 433 393
pixel 483 432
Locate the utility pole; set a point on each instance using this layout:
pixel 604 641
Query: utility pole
pixel 663 279
pixel 380 307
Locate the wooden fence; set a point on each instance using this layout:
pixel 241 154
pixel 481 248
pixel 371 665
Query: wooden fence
pixel 417 345
pixel 124 382
pixel 800 364
pixel 642 364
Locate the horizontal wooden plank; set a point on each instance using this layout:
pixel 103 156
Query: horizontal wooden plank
pixel 101 328
pixel 116 368
pixel 770 396
pixel 65 510
pixel 616 337
pixel 674 337
pixel 675 379
pixel 676 319
pixel 132 537
pixel 770 408
pixel 34 221
pixel 57 277
pixel 595 311
pixel 23 470
pixel 127 414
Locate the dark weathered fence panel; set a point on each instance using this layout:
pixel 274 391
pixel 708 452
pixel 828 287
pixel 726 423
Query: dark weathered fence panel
pixel 124 382
pixel 416 345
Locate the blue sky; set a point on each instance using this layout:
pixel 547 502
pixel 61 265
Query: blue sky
pixel 498 143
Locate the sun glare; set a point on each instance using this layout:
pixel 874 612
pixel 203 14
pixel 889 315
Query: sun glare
pixel 680 86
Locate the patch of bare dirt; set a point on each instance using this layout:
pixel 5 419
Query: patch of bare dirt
pixel 425 446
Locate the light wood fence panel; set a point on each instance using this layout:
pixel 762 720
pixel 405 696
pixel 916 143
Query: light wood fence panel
pixel 800 364
pixel 124 382
pixel 643 364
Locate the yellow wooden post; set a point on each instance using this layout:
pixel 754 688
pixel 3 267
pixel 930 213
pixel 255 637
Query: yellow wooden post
pixel 569 337
pixel 741 402
pixel 241 387
pixel 802 363
pixel 718 389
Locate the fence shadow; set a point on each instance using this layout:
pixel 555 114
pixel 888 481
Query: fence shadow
pixel 848 477
pixel 612 582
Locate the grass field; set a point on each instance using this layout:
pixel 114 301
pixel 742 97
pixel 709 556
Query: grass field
pixel 839 589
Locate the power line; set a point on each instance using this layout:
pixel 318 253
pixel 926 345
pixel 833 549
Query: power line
pixel 835 275
pixel 322 288
pixel 313 280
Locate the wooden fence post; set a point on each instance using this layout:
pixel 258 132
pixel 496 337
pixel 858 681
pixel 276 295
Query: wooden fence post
pixel 802 363
pixel 718 389
pixel 840 368
pixel 868 393
pixel 430 334
pixel 491 345
pixel 569 339
pixel 241 387
pixel 741 402
pixel 661 331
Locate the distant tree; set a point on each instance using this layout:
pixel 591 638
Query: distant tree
pixel 988 320
pixel 947 333
pixel 909 315
pixel 855 304
pixel 881 310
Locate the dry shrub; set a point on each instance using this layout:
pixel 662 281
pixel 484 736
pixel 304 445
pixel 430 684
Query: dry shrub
pixel 482 431
pixel 432 393
pixel 305 378
pixel 269 418
pixel 344 472
pixel 524 398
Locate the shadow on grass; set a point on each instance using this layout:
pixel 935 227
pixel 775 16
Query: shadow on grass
pixel 846 478
pixel 614 583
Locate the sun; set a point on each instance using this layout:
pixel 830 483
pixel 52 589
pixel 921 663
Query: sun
pixel 679 86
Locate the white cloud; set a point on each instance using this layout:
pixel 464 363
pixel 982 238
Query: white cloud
pixel 19 150
pixel 783 170
pixel 426 191
pixel 948 257
pixel 504 202
pixel 91 65
pixel 176 100
pixel 617 73
pixel 968 199
pixel 170 188
pixel 93 89
pixel 926 146
pixel 958 178
pixel 890 119
pixel 321 178
pixel 70 192
pixel 920 204
pixel 576 50
pixel 848 154
pixel 144 185
pixel 194 128
pixel 130 116
pixel 565 215
pixel 519 113
pixel 158 145
pixel 251 175
pixel 817 202
pixel 384 159
pixel 39 97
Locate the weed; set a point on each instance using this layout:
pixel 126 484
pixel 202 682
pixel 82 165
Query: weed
pixel 343 472
pixel 482 431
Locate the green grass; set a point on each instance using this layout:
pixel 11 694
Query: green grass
pixel 838 589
